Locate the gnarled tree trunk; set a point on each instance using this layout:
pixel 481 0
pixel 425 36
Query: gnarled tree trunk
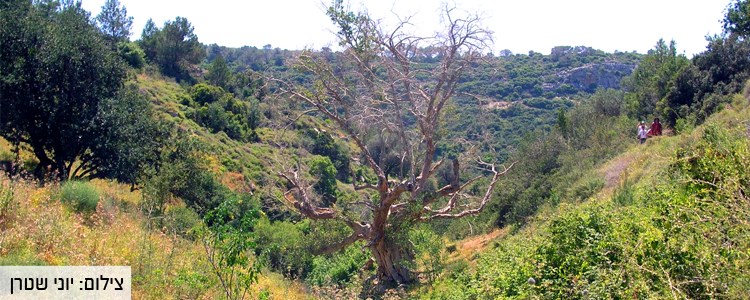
pixel 391 259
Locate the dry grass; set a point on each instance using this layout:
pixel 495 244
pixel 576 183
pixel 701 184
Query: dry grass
pixel 36 229
pixel 469 249
pixel 278 288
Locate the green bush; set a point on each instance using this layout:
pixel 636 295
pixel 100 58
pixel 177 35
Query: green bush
pixel 82 196
pixel 180 220
pixel 191 284
pixel 182 173
pixel 581 247
pixel 131 53
pixel 203 93
pixel 428 250
pixel 283 247
pixel 323 144
pixel 322 168
pixel 219 111
pixel 339 268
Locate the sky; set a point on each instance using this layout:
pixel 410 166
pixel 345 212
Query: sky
pixel 518 25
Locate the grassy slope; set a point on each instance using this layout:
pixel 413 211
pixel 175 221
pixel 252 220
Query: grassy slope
pixel 37 229
pixel 642 236
pixel 241 166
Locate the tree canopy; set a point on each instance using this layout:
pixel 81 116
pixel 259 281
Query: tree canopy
pixel 737 18
pixel 173 48
pixel 114 21
pixel 60 93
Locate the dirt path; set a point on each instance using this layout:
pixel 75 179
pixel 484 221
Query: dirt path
pixel 466 249
pixel 613 171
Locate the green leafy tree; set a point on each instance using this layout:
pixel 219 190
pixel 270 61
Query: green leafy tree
pixel 705 85
pixel 737 18
pixel 174 48
pixel 56 71
pixel 130 138
pixel 148 39
pixel 114 21
pixel 219 73
pixel 653 79
pixel 178 48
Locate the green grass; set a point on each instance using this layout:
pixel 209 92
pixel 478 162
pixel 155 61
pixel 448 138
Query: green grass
pixel 82 196
pixel 673 225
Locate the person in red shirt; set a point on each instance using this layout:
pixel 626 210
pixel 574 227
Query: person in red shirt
pixel 655 128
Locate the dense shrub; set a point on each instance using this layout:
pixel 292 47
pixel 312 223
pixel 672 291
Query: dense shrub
pixel 323 144
pixel 82 196
pixel 338 269
pixel 284 247
pixel 203 93
pixel 131 53
pixel 683 236
pixel 219 111
pixel 322 168
pixel 182 173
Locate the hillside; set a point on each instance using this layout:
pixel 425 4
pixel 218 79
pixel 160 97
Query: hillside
pixel 400 166
pixel 40 226
pixel 521 90
pixel 644 191
pixel 670 222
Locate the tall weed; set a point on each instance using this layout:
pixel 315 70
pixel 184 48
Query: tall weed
pixel 82 196
pixel 7 204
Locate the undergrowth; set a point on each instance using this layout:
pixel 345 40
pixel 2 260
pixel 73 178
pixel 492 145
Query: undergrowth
pixel 676 226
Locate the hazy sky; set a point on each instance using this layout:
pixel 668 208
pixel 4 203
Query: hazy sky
pixel 518 25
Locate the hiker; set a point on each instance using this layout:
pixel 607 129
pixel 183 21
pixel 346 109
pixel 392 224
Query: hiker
pixel 642 132
pixel 655 128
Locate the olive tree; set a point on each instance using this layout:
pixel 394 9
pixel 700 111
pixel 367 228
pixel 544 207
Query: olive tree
pixel 392 108
pixel 62 93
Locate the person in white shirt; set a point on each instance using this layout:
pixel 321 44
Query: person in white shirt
pixel 642 132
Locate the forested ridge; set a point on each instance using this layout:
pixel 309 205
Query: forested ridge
pixel 396 167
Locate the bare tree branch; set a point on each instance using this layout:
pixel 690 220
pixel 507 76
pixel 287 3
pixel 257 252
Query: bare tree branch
pixel 304 205
pixel 356 236
pixel 391 107
pixel 444 213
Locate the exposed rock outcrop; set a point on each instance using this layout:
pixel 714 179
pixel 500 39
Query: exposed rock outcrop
pixel 598 75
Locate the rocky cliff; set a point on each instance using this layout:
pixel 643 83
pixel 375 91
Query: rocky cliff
pixel 596 75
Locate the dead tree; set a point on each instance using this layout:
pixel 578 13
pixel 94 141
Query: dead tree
pixel 375 90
